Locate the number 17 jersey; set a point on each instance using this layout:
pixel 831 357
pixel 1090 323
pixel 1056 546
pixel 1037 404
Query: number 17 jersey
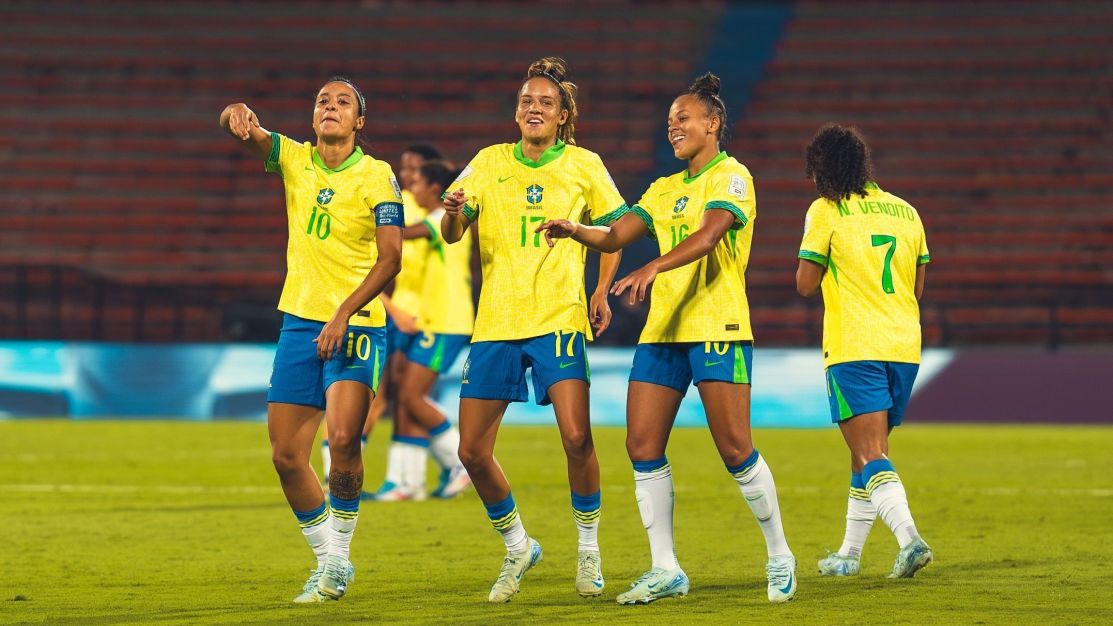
pixel 871 246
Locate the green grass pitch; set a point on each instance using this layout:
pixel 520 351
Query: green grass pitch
pixel 183 523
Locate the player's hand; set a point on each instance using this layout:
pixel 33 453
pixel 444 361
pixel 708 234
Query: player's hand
pixel 557 229
pixel 406 324
pixel 241 121
pixel 454 202
pixel 331 338
pixel 637 282
pixel 599 312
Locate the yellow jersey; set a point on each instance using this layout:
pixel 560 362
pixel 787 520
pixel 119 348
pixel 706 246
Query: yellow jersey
pixel 447 306
pixel 408 283
pixel 530 289
pixel 870 246
pixel 704 300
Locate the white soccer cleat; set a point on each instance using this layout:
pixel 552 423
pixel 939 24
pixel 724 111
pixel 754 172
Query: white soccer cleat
pixel 334 580
pixel 655 584
pixel 911 559
pixel 589 574
pixel 835 564
pixel 781 571
pixel 514 566
pixel 309 593
pixel 393 492
pixel 453 482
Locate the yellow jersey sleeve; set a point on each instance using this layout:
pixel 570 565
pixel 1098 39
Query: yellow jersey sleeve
pixel 473 180
pixel 604 203
pixel 818 227
pixel 732 189
pixel 285 151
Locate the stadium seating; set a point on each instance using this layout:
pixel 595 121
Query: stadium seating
pixel 129 215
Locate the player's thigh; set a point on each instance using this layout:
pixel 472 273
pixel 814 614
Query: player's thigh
pixel 292 428
pixel 571 406
pixel 650 412
pixel 479 426
pixel 867 436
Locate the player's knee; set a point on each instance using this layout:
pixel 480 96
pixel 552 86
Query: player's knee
pixel 474 460
pixel 287 461
pixel 344 441
pixel 642 449
pixel 578 444
pixel 411 400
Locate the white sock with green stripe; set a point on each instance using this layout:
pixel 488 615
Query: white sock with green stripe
pixel 587 510
pixel 345 514
pixel 888 495
pixel 315 527
pixel 860 513
pixel 654 493
pixel 504 517
pixel 755 480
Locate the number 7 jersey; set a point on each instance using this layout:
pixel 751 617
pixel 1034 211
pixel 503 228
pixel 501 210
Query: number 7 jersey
pixel 530 289
pixel 871 246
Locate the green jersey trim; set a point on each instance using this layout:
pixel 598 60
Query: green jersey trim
pixel 814 257
pixel 710 164
pixel 612 217
pixel 352 159
pixel 646 219
pixel 729 206
pixel 470 212
pixel 924 259
pixel 271 164
pixel 435 240
pixel 548 156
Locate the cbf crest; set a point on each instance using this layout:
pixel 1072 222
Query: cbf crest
pixel 680 204
pixel 534 193
pixel 325 195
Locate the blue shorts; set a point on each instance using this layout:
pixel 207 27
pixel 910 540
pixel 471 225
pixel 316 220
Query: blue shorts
pixel 299 376
pixel 396 340
pixel 678 365
pixel 862 387
pixel 496 370
pixel 436 351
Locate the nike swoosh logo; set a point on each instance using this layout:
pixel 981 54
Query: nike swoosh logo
pixel 710 363
pixel 503 180
pixel 788 587
pixel 564 365
pixel 598 583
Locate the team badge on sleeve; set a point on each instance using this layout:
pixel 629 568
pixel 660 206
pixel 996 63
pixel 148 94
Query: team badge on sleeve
pixel 737 187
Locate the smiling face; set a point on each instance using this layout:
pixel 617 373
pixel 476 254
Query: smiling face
pixel 539 113
pixel 691 128
pixel 336 114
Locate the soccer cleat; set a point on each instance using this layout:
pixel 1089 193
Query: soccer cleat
pixel 334 580
pixel 309 593
pixel 911 559
pixel 393 492
pixel 514 566
pixel 453 482
pixel 589 574
pixel 781 570
pixel 836 564
pixel 655 584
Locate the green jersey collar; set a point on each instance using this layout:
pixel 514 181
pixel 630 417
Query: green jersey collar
pixel 710 164
pixel 871 186
pixel 352 159
pixel 548 156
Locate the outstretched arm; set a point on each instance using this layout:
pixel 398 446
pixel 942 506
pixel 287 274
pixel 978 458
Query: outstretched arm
pixel 454 222
pixel 240 122
pixel 388 241
pixel 714 225
pixel 628 229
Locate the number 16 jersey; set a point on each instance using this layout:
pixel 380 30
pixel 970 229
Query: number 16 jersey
pixel 870 246
pixel 530 289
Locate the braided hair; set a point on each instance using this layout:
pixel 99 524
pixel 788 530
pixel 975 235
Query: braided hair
pixel 556 70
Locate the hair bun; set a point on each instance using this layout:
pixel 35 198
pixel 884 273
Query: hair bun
pixel 555 67
pixel 707 84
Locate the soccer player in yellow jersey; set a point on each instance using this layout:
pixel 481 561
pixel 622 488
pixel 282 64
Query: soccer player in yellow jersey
pixel 866 250
pixel 698 331
pixel 532 310
pixel 345 241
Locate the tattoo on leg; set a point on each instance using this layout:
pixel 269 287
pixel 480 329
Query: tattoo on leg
pixel 345 485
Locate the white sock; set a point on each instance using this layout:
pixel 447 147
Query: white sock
pixel 888 495
pixel 755 480
pixel 345 514
pixel 444 447
pixel 316 532
pixel 654 493
pixel 394 460
pixel 859 520
pixel 326 459
pixel 587 510
pixel 505 519
pixel 892 506
pixel 414 459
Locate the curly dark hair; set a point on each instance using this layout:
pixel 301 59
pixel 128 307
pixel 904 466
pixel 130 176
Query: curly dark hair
pixel 839 162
